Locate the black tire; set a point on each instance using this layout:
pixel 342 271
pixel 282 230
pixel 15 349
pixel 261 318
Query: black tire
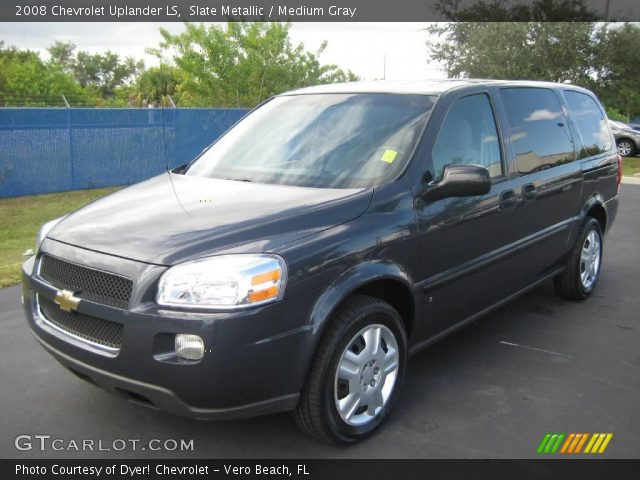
pixel 569 284
pixel 316 413
pixel 630 147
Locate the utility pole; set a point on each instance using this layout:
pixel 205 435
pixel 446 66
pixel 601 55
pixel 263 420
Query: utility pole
pixel 384 67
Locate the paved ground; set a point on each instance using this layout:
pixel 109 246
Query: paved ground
pixel 492 390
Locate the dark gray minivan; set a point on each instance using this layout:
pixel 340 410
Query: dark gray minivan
pixel 299 260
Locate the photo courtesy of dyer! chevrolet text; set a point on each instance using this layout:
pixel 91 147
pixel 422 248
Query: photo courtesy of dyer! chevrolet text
pixel 160 470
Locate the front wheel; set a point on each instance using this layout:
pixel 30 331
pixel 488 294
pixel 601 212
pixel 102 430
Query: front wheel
pixel 356 373
pixel 626 147
pixel 583 265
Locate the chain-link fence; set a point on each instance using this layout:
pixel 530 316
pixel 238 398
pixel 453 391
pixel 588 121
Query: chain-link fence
pixel 56 149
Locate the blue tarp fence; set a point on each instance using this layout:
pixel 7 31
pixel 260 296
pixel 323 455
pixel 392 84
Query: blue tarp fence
pixel 55 149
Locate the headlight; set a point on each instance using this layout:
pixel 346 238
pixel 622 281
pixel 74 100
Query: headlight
pixel 223 282
pixel 44 229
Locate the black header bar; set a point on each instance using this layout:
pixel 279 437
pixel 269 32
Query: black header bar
pixel 310 10
pixel 318 469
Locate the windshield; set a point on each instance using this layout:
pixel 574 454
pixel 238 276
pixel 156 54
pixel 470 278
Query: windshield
pixel 320 140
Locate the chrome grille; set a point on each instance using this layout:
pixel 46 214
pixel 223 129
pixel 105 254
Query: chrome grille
pixel 87 283
pixel 96 330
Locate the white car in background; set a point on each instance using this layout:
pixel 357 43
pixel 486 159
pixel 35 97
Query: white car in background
pixel 627 139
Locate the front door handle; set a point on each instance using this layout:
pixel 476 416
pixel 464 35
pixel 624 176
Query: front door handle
pixel 508 200
pixel 529 192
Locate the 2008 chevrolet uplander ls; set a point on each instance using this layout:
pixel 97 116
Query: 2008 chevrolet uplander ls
pixel 297 261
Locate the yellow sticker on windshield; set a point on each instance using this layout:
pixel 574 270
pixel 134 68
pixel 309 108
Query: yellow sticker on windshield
pixel 389 156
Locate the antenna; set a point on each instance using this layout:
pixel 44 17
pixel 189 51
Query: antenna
pixel 166 164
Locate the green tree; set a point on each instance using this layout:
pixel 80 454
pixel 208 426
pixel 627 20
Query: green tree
pixel 156 84
pixel 518 50
pixel 62 54
pixel 101 72
pixel 243 63
pixel 105 71
pixel 26 80
pixel 602 57
pixel 510 11
pixel 618 61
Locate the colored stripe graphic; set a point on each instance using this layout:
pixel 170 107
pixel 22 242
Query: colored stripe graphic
pixel 572 443
pixel 567 443
pixel 555 447
pixel 550 443
pixel 605 443
pixel 598 443
pixel 581 443
pixel 544 442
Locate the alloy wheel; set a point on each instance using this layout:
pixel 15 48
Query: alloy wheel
pixel 590 260
pixel 366 375
pixel 625 148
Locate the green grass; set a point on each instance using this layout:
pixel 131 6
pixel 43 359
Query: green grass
pixel 20 219
pixel 630 166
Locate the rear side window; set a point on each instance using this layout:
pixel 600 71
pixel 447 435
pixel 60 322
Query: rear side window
pixel 468 135
pixel 537 128
pixel 591 123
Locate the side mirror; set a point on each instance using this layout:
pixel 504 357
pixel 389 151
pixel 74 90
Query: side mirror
pixel 459 181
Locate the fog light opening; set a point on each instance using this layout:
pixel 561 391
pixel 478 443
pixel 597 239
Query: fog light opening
pixel 84 377
pixel 189 347
pixel 136 397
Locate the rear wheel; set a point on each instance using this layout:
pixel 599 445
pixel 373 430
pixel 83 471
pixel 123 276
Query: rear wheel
pixel 356 374
pixel 583 266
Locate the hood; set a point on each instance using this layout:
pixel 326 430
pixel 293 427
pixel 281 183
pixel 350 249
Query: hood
pixel 172 218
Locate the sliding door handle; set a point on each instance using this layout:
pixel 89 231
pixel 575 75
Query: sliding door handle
pixel 508 200
pixel 529 192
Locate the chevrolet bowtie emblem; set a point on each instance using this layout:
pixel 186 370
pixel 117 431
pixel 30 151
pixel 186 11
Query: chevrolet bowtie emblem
pixel 66 300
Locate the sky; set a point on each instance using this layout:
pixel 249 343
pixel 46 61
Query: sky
pixel 396 51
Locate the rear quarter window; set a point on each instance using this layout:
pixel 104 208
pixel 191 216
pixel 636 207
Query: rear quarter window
pixel 537 129
pixel 590 122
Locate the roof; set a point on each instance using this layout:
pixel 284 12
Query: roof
pixel 419 87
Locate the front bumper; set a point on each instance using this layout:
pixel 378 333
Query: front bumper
pixel 161 398
pixel 255 362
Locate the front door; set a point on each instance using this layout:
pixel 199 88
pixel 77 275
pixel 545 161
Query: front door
pixel 461 238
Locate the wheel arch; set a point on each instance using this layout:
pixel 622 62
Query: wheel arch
pixel 594 207
pixel 598 212
pixel 382 279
